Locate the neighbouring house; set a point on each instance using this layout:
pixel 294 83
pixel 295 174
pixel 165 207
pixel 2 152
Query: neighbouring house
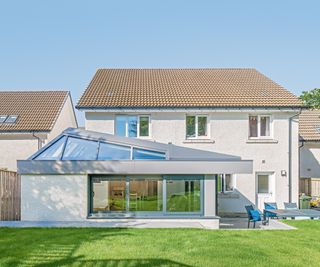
pixel 309 130
pixel 169 143
pixel 29 120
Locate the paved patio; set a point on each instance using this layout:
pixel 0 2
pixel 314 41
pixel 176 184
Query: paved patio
pixel 242 223
pixel 120 223
pixel 225 223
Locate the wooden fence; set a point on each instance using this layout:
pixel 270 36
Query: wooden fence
pixel 10 196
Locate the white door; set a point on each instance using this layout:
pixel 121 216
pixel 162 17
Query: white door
pixel 264 189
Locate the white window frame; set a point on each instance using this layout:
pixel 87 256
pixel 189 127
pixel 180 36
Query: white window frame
pixel 259 126
pixel 223 188
pixel 233 184
pixel 138 124
pixel 207 136
pixel 271 181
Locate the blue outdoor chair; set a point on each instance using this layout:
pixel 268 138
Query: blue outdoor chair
pixel 253 215
pixel 270 206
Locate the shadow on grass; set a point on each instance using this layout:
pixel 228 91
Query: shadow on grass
pixel 79 261
pixel 59 247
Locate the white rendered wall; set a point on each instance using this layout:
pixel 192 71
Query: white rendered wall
pixel 229 135
pixel 12 150
pixel 309 160
pixel 54 197
pixel 65 120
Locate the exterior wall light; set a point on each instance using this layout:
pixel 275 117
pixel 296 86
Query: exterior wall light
pixel 283 173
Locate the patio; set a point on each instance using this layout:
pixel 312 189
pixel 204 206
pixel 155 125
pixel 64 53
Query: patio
pixel 242 223
pixel 225 224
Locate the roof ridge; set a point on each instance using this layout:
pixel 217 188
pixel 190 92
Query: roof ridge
pixel 181 68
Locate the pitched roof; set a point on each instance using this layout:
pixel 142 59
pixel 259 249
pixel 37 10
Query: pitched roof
pixel 174 152
pixel 147 88
pixel 36 110
pixel 309 125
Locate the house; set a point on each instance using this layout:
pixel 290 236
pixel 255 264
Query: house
pixel 169 143
pixel 29 120
pixel 309 130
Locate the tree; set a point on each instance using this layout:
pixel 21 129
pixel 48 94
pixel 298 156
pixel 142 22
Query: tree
pixel 311 98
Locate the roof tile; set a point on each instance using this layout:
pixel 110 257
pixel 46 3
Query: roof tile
pixel 147 88
pixel 36 110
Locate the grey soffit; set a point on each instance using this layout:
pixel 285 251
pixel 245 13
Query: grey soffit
pixel 133 167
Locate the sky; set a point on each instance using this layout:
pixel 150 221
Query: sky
pixel 58 45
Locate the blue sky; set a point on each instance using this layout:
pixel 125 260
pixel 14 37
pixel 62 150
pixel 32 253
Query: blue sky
pixel 60 44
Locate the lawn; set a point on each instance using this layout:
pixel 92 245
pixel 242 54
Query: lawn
pixel 160 247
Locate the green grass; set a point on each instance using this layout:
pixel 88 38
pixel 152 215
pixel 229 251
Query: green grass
pixel 160 247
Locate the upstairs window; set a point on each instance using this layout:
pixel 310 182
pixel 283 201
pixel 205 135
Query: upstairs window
pixel 132 125
pixel 259 126
pixel 8 119
pixel 11 119
pixel 3 118
pixel 196 126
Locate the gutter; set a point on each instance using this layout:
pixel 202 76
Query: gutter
pixel 290 157
pixel 39 140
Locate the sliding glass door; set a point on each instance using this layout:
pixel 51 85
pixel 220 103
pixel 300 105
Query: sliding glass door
pixel 147 195
pixel 183 195
pixel 108 194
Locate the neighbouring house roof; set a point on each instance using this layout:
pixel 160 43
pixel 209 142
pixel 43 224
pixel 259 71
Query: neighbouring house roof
pixel 309 125
pixel 152 88
pixel 36 110
pixel 80 151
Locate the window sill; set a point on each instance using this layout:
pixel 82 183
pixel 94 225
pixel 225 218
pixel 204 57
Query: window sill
pixel 198 141
pixel 262 141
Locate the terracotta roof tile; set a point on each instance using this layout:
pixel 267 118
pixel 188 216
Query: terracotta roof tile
pixel 309 125
pixel 112 88
pixel 36 110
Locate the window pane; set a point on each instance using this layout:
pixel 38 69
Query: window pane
pixel 132 126
pixel 121 125
pixel 263 183
pixel 3 118
pixel 113 152
pixel 202 126
pixel 191 126
pixel 108 194
pixel 79 149
pixel 11 119
pixel 183 196
pixel 253 126
pixel 219 185
pixel 229 181
pixel 265 126
pixel 146 194
pixel 144 126
pixel 147 154
pixel 54 151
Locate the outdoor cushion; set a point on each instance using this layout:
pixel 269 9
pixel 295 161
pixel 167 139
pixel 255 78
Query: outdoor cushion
pixel 270 206
pixel 255 214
